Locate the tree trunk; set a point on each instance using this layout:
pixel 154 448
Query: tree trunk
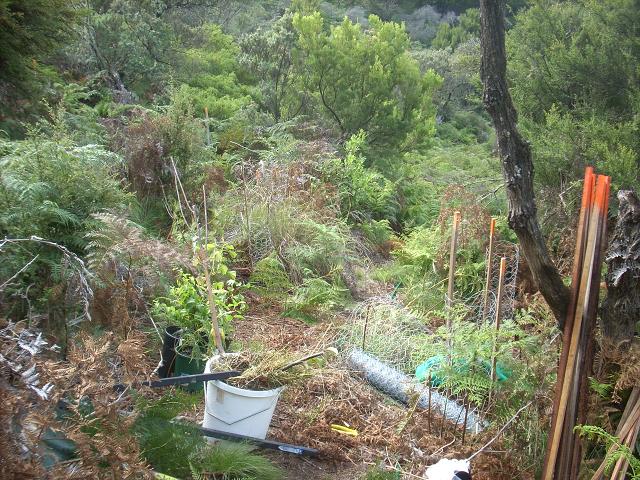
pixel 621 308
pixel 515 155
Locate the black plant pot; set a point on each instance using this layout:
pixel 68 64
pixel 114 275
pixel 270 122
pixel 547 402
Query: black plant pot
pixel 171 339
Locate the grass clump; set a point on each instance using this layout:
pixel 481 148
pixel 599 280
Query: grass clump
pixel 180 450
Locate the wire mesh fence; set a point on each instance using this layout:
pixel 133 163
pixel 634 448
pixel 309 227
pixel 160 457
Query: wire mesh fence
pixel 385 328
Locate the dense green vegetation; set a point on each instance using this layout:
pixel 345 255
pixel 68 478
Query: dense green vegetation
pixel 315 152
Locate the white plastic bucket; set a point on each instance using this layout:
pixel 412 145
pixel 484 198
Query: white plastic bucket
pixel 237 410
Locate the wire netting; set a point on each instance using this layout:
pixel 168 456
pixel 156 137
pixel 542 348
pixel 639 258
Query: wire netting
pixel 383 327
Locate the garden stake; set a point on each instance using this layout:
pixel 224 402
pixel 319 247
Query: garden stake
pixel 465 405
pixel 452 271
pixel 429 406
pixel 587 193
pixel 487 285
pixel 624 431
pixel 564 449
pixel 452 262
pixel 503 269
pixel 205 262
pixel 444 415
pixel 364 330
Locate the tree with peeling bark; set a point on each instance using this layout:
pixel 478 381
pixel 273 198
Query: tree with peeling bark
pixel 621 308
pixel 516 160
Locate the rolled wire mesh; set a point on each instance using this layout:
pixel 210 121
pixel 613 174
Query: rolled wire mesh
pixel 382 335
pixel 402 387
pixel 383 327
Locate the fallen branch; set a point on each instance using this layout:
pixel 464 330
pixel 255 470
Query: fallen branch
pixel 497 435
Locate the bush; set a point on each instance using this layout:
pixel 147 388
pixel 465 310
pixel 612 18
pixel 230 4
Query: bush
pixel 181 450
pixel 51 189
pixel 364 194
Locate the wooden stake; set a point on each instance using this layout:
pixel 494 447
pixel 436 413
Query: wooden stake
pixel 503 269
pixel 580 398
pixel 562 437
pixel 206 117
pixel 487 285
pixel 215 328
pixel 554 438
pixel 571 454
pixel 627 427
pixel 452 262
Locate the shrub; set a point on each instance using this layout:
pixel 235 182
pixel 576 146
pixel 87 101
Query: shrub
pixel 50 189
pixel 270 279
pixel 314 297
pixel 363 193
pixel 152 140
pixel 181 450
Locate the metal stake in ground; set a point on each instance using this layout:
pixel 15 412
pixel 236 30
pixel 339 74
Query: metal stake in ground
pixel 487 285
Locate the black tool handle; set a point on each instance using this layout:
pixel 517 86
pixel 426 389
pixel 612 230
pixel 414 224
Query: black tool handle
pixel 283 447
pixel 184 379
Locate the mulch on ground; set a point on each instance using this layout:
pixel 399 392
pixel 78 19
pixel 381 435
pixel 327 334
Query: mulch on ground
pixel 389 434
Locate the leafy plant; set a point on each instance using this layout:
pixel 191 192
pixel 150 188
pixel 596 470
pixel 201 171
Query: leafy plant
pixel 314 296
pixel 270 279
pixel 186 304
pixel 181 450
pixel 364 194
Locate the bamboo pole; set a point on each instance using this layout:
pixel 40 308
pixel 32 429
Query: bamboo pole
pixel 487 285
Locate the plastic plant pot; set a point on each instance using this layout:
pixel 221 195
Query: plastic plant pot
pixel 237 410
pixel 169 343
pixel 186 365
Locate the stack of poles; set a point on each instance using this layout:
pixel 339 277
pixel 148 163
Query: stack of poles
pixel 563 456
pixel 627 431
